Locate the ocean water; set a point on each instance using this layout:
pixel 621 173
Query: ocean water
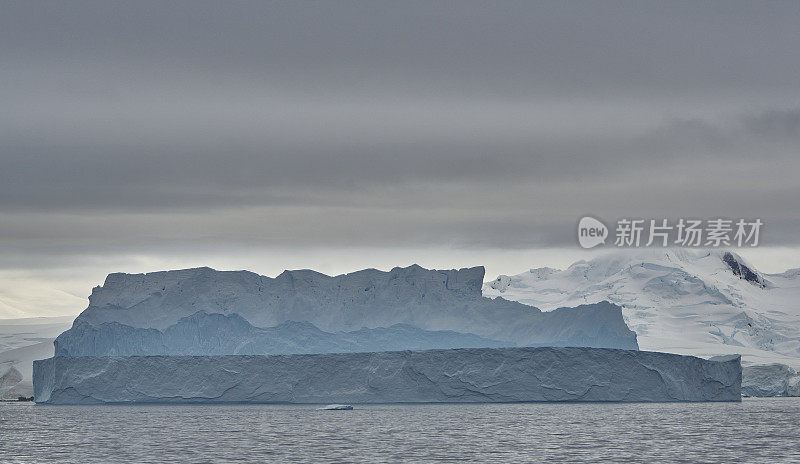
pixel 755 430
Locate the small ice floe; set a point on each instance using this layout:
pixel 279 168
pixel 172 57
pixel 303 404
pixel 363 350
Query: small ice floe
pixel 336 407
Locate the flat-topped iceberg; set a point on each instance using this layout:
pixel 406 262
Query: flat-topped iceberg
pixel 456 375
pixel 408 335
pixel 206 312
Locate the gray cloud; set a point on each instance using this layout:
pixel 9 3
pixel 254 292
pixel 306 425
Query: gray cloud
pixel 775 124
pixel 145 128
pixel 514 48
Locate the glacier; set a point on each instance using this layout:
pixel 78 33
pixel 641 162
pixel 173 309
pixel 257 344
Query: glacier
pixel 202 311
pixel 453 376
pixel 695 302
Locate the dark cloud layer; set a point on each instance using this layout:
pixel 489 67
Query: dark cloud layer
pixel 151 127
pixel 512 48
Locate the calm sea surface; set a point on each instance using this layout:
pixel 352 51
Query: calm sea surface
pixel 756 430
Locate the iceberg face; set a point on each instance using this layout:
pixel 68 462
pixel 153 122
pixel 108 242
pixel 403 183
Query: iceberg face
pixel 368 298
pixel 770 380
pixel 456 375
pixel 218 334
pixel 207 312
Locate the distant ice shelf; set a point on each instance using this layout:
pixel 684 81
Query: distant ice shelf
pixel 453 375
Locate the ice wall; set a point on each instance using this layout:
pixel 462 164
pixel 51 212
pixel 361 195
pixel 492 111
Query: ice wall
pixel 459 375
pixel 177 312
pixel 770 380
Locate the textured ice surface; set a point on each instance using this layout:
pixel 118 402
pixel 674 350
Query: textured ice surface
pixel 460 375
pixel 218 334
pixel 770 380
pixel 203 311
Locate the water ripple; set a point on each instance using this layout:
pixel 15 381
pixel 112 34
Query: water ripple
pixel 754 431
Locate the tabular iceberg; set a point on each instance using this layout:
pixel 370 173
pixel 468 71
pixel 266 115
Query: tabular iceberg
pixel 200 335
pixel 206 312
pixel 455 375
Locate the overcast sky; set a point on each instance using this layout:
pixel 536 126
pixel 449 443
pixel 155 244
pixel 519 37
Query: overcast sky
pixel 138 136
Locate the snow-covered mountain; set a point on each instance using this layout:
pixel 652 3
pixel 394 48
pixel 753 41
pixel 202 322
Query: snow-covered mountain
pixel 697 302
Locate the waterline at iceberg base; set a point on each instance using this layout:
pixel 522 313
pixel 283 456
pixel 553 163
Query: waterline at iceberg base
pixel 452 375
